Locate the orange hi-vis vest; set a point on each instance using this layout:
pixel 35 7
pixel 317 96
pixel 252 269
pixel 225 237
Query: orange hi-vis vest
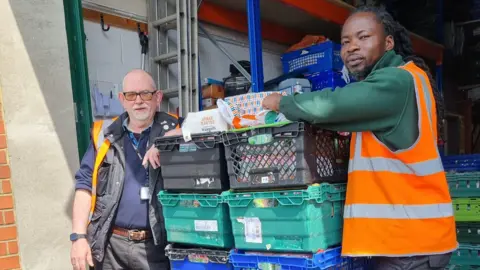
pixel 101 145
pixel 398 203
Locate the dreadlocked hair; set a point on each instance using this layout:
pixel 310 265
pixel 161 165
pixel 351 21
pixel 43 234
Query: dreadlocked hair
pixel 403 47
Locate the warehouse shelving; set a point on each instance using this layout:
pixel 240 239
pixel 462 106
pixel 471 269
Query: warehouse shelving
pixel 287 21
pixel 280 21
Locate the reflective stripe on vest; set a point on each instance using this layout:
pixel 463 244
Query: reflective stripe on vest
pixel 398 211
pixel 101 146
pixel 397 199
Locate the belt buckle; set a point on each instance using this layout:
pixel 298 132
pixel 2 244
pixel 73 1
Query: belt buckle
pixel 134 235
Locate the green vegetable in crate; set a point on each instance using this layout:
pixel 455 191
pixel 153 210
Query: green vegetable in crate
pixel 265 203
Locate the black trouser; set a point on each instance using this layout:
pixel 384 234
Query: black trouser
pixel 432 262
pixel 124 254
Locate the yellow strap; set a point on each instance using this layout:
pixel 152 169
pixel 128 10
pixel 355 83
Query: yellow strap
pixel 97 127
pixel 102 152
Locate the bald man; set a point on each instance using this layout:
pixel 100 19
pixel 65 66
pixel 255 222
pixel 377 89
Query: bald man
pixel 125 230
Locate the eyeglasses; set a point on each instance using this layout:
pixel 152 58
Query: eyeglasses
pixel 144 95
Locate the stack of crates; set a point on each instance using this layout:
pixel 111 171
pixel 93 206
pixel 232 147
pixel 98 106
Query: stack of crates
pixel 321 64
pixel 196 219
pixel 287 194
pixel 463 175
pixel 269 197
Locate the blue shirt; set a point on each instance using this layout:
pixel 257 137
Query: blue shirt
pixel 132 212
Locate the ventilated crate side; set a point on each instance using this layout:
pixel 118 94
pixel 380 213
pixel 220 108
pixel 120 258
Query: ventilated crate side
pixel 287 155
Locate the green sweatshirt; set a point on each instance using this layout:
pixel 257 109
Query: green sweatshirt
pixel 383 103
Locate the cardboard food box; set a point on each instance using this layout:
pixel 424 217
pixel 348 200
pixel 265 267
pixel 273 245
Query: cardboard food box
pixel 210 108
pixel 213 91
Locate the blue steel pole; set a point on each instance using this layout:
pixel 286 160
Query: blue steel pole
pixel 440 78
pixel 255 42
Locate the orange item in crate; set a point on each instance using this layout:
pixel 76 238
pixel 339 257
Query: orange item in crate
pixel 307 41
pixel 213 91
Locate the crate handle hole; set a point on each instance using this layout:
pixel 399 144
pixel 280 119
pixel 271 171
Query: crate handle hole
pixel 333 210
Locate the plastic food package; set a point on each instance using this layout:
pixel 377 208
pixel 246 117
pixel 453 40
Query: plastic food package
pixel 203 122
pixel 250 103
pixel 238 119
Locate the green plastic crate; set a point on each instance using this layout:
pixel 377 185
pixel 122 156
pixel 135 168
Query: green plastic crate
pixel 464 185
pixel 468 232
pixel 197 219
pixel 294 221
pixel 462 267
pixel 466 255
pixel 466 209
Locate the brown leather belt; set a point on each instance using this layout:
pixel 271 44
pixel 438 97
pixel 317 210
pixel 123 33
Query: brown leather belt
pixel 135 235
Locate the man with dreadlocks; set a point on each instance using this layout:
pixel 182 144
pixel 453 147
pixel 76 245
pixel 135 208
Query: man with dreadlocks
pixel 398 209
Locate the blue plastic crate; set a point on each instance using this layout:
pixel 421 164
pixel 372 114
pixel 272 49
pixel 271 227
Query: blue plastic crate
pixel 318 58
pixel 321 80
pixel 197 259
pixel 329 259
pixel 461 163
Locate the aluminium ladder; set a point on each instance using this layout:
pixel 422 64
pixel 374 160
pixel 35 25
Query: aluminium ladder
pixel 179 15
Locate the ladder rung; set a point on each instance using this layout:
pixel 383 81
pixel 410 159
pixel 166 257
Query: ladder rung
pixel 169 22
pixel 170 92
pixel 166 59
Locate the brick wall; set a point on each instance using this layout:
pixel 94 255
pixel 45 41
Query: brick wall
pixel 9 254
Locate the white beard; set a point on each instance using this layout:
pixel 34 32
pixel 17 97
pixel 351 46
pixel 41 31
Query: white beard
pixel 141 116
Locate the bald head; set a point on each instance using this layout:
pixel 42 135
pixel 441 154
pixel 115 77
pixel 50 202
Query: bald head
pixel 138 80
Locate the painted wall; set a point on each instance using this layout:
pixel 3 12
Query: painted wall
pixel 40 124
pixel 137 7
pixel 112 54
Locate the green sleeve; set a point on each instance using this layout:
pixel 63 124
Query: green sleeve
pixel 374 104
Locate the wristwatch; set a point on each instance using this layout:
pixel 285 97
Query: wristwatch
pixel 76 236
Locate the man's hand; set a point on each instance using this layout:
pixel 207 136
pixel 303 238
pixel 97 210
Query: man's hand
pixel 80 253
pixel 272 102
pixel 153 157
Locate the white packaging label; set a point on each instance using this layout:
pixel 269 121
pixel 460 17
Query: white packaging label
pixel 253 230
pixel 206 226
pixel 207 102
pixel 265 179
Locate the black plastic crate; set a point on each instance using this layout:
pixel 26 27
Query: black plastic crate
pixel 197 165
pixel 289 155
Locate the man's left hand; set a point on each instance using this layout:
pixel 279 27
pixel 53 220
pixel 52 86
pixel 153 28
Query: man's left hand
pixel 153 154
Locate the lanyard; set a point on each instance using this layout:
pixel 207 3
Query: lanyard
pixel 135 144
